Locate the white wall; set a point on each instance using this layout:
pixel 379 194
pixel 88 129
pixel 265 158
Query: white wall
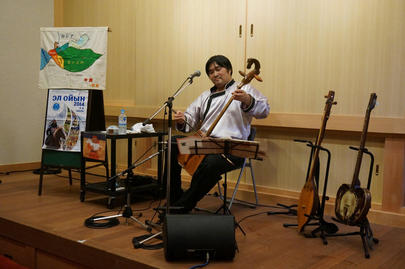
pixel 22 103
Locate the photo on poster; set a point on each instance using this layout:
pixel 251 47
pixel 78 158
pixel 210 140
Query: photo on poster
pixel 94 146
pixel 65 119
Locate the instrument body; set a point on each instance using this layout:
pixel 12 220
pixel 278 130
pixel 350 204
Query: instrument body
pixel 353 202
pixel 190 162
pixel 308 202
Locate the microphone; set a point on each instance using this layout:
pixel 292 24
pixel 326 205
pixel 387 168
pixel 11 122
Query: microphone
pixel 195 74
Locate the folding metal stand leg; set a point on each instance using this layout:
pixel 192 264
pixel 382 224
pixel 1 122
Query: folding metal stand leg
pixel 324 227
pixel 127 212
pixel 246 163
pixel 365 232
pixel 225 209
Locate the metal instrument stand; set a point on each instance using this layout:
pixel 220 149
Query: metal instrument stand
pixel 324 227
pixel 365 232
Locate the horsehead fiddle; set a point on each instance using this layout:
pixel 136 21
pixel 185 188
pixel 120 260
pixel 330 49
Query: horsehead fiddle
pixel 191 162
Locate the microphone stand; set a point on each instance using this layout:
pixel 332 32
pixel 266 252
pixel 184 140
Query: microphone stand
pixel 127 212
pixel 169 104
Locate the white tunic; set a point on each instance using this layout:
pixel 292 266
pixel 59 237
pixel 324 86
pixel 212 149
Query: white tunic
pixel 235 123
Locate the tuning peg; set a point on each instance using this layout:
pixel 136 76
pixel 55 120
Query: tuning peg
pixel 334 103
pixel 258 78
pixel 243 74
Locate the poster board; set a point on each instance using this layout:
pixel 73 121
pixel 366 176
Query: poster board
pixel 73 57
pixel 95 121
pixel 73 70
pixel 66 115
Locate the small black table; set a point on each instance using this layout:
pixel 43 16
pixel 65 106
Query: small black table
pixel 110 188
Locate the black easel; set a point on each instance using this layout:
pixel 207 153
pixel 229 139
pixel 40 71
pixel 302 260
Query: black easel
pixel 365 232
pixel 95 121
pixel 324 227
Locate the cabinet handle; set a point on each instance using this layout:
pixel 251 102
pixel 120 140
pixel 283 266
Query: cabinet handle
pixel 251 30
pixel 240 30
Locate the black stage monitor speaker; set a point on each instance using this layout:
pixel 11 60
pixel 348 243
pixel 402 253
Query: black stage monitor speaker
pixel 192 236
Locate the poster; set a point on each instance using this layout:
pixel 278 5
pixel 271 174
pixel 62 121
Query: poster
pixel 73 57
pixel 65 119
pixel 94 146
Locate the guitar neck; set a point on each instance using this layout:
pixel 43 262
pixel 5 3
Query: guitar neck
pixel 321 134
pixel 355 180
pixel 318 143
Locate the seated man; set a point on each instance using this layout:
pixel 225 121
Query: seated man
pixel 235 123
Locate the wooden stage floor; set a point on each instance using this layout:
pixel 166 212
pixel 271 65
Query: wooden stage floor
pixel 52 224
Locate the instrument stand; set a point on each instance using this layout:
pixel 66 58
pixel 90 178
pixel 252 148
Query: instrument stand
pixel 324 227
pixel 127 212
pixel 365 232
pixel 290 211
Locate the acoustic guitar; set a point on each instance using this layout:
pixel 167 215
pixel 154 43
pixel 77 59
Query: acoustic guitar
pixel 352 201
pixel 308 202
pixel 191 162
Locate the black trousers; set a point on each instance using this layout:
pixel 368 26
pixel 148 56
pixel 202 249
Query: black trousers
pixel 204 179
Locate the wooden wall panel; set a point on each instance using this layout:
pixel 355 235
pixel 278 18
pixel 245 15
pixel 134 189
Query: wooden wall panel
pixel 305 48
pixel 46 260
pixel 287 162
pixel 308 47
pixel 154 45
pixel 179 40
pixel 394 174
pixel 18 252
pixel 119 16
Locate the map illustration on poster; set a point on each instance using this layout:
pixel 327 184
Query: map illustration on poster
pixel 73 57
pixel 65 119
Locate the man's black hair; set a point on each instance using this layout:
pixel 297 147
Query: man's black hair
pixel 221 61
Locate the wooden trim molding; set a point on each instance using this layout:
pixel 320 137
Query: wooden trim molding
pixel 346 123
pixel 19 167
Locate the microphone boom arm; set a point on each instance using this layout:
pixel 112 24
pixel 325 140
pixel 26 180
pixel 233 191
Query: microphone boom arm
pixel 170 99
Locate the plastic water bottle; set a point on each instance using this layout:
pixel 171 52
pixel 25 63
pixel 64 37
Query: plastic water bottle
pixel 122 122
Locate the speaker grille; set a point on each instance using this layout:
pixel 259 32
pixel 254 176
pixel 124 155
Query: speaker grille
pixel 192 236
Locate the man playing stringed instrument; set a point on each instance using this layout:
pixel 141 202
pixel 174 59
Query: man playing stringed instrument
pixel 234 123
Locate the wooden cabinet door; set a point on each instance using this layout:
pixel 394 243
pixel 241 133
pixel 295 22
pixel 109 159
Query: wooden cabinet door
pixel 174 38
pixel 308 47
pixel 283 42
